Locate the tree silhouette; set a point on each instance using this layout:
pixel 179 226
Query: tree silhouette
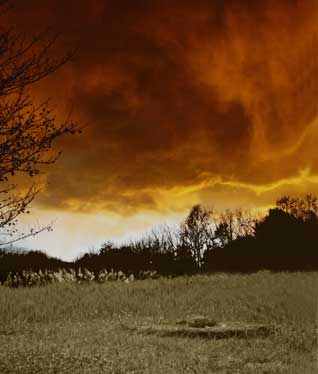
pixel 288 236
pixel 27 130
pixel 196 232
pixel 306 208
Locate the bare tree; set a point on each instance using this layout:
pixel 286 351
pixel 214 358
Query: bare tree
pixel 305 208
pixel 164 238
pixel 196 232
pixel 231 225
pixel 27 131
pixel 245 222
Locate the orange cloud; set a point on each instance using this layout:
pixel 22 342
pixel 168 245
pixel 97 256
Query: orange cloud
pixel 184 102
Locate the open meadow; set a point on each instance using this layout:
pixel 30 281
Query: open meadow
pixel 86 328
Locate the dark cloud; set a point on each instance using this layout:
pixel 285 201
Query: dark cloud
pixel 177 93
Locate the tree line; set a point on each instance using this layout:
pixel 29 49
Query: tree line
pixel 285 238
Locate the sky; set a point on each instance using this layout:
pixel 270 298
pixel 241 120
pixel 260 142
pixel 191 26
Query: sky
pixel 182 102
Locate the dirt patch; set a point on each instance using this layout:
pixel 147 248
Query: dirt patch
pixel 197 322
pixel 221 330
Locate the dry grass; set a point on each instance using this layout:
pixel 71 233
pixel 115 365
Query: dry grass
pixel 71 328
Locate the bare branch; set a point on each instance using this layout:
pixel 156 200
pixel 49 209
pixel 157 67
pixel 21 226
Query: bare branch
pixel 27 131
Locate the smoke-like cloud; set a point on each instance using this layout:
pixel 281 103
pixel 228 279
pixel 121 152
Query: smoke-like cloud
pixel 184 101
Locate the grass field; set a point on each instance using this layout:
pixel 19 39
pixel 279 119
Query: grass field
pixel 71 328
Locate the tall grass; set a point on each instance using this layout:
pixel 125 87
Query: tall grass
pixel 283 298
pixel 30 278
